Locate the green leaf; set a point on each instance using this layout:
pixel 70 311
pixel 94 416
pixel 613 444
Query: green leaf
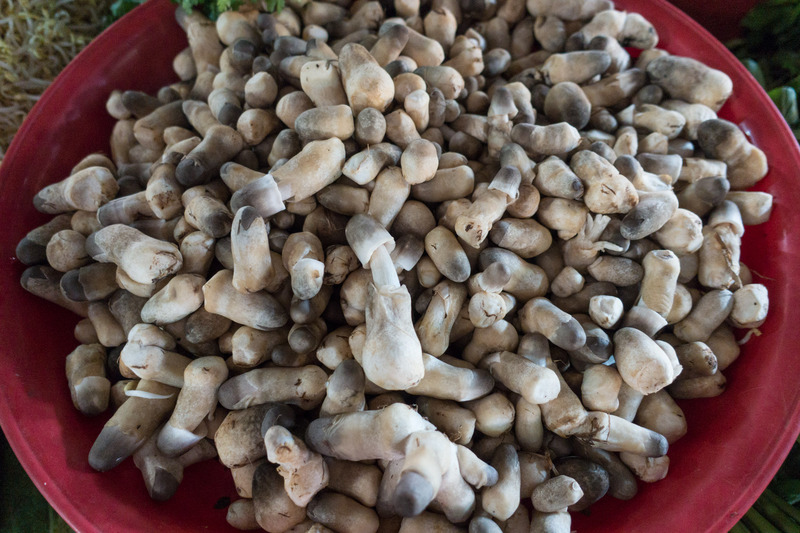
pixel 753 67
pixel 120 8
pixel 755 521
pixel 275 5
pixel 767 506
pixel 739 527
pixel 213 8
pixel 794 83
pixel 786 100
pixel 788 489
pixel 22 508
pixel 788 60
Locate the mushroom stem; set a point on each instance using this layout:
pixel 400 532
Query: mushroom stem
pixel 384 273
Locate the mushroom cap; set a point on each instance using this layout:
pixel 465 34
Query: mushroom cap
pixel 364 235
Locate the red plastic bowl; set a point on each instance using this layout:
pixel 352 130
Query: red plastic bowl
pixel 735 443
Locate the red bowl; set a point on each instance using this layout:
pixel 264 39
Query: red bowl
pixel 735 444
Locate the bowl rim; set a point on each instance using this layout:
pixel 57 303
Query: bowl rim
pixel 42 479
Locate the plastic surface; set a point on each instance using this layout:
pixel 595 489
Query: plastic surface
pixel 735 442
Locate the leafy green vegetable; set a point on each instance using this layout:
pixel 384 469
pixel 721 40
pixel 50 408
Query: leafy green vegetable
pixel 770 35
pixel 121 7
pixel 785 99
pixel 739 527
pixel 788 489
pixel 22 508
pixel 755 521
pixel 755 69
pixel 777 512
pixel 769 49
pixel 213 8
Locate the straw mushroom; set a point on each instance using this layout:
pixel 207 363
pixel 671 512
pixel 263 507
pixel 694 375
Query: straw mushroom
pixel 392 352
pixel 196 401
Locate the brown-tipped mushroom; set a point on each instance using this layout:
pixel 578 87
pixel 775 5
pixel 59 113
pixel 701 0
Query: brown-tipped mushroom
pixel 534 383
pixel 641 362
pixel 539 315
pixel 724 141
pixel 162 474
pixel 357 66
pixel 132 424
pixel 710 87
pixel 344 390
pixel 607 191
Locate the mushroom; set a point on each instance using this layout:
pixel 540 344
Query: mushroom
pixel 259 310
pixel 143 258
pixel 179 298
pixel 163 474
pixel 344 390
pixel 711 87
pixel 132 424
pixel 641 362
pixel 87 189
pixel 488 303
pixel 389 428
pixel 303 386
pixel 320 160
pixel 196 401
pixel 252 264
pixel 440 315
pixel 388 311
pixel 303 259
pixel 536 384
pixel 556 494
pixel 31 249
pixel 474 225
pixel 86 376
pixel 305 473
pixel 539 315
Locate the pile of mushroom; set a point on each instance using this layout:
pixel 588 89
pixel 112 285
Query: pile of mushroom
pixel 407 267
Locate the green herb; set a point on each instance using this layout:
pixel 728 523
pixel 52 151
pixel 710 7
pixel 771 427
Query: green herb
pixel 770 34
pixel 213 8
pixel 210 8
pixel 755 521
pixel 769 50
pixel 788 489
pixel 775 509
pixel 755 69
pixel 119 8
pixel 739 527
pixel 785 99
